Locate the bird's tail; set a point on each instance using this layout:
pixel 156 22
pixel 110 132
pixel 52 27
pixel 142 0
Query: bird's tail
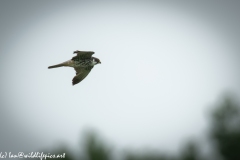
pixel 55 66
pixel 67 63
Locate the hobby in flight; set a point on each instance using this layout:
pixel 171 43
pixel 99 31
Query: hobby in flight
pixel 83 63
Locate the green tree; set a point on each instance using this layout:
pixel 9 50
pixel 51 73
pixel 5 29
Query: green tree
pixel 225 129
pixel 95 149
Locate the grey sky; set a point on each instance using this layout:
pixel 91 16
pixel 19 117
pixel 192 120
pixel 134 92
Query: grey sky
pixel 163 65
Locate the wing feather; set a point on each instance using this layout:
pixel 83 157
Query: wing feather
pixel 81 73
pixel 82 54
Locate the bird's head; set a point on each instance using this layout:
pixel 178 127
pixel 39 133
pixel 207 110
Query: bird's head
pixel 96 60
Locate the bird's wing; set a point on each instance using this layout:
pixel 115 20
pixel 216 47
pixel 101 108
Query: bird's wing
pixel 81 73
pixel 82 54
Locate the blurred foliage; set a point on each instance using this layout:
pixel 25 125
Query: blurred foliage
pixel 224 132
pixel 148 156
pixel 96 149
pixel 225 129
pixel 190 152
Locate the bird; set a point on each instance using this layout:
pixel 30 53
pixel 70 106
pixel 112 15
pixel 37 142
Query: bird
pixel 83 63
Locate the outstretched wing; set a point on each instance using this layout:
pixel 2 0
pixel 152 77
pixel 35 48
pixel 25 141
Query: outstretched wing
pixel 82 55
pixel 81 73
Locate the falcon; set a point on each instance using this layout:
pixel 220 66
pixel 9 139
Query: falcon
pixel 83 63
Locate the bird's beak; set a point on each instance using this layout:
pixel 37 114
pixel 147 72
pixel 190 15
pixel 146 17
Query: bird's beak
pixel 99 62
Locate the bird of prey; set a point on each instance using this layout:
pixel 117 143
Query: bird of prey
pixel 83 62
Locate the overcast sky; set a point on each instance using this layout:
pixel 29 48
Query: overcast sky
pixel 164 64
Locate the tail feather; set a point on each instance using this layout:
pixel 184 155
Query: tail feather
pixel 67 63
pixel 55 66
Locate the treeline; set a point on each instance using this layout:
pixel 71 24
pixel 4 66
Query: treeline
pixel 223 137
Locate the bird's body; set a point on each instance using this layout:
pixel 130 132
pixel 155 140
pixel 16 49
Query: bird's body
pixel 83 62
pixel 75 64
